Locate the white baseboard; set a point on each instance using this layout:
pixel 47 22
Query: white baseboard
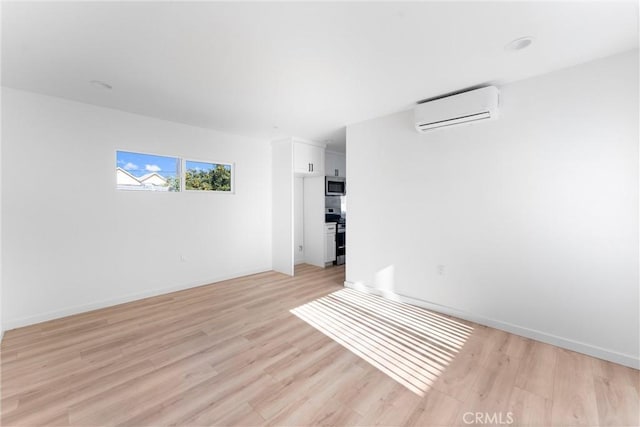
pixel 56 314
pixel 569 344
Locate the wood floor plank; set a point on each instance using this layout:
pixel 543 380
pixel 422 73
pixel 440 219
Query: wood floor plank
pixel 394 409
pixel 269 349
pixel 230 404
pixel 529 409
pixel 76 389
pixel 492 390
pixel 538 369
pixel 459 376
pixel 368 394
pixel 617 403
pixel 618 374
pixel 243 415
pixel 574 398
pixel 436 409
pixel 335 413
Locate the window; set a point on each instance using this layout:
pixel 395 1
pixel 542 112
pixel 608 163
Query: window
pixel 147 172
pixel 204 176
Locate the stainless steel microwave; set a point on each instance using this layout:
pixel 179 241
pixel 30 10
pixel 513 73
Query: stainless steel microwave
pixel 335 186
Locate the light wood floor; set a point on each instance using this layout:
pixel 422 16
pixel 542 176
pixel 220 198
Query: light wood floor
pixel 268 349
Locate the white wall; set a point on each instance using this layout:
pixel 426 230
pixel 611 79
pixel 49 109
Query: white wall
pixel 1 244
pixel 314 233
pixel 72 242
pixel 282 207
pixel 534 217
pixel 298 220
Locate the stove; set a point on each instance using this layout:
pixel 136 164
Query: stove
pixel 341 242
pixel 334 215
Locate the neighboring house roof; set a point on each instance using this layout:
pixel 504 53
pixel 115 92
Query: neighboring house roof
pixel 125 178
pixel 153 178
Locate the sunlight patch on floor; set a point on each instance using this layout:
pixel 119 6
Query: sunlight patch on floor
pixel 411 345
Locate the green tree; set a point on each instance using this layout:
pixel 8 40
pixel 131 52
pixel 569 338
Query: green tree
pixel 216 179
pixel 173 183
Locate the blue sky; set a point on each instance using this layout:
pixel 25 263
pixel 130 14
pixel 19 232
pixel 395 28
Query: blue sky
pixel 140 164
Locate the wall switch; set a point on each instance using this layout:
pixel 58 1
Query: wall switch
pixel 300 248
pixel 440 269
pixel 183 258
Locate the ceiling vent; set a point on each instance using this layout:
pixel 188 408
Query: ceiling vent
pixel 463 108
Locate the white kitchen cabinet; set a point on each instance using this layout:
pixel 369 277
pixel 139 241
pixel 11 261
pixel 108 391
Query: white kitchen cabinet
pixel 308 159
pixel 335 164
pixel 330 242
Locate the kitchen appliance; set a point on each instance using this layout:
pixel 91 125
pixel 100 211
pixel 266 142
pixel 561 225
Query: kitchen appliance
pixel 341 243
pixel 332 215
pixel 335 186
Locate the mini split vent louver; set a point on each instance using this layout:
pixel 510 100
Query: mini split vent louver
pixel 463 108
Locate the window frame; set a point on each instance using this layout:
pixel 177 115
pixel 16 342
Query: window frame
pixel 211 162
pixel 179 172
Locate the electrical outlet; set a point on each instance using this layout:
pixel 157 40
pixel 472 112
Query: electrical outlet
pixel 300 248
pixel 183 258
pixel 440 269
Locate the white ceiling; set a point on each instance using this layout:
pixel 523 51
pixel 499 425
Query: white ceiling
pixel 307 68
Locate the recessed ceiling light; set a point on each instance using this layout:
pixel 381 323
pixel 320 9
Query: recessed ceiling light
pixel 519 44
pixel 101 85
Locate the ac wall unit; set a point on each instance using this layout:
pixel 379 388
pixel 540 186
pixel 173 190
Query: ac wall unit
pixel 463 108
